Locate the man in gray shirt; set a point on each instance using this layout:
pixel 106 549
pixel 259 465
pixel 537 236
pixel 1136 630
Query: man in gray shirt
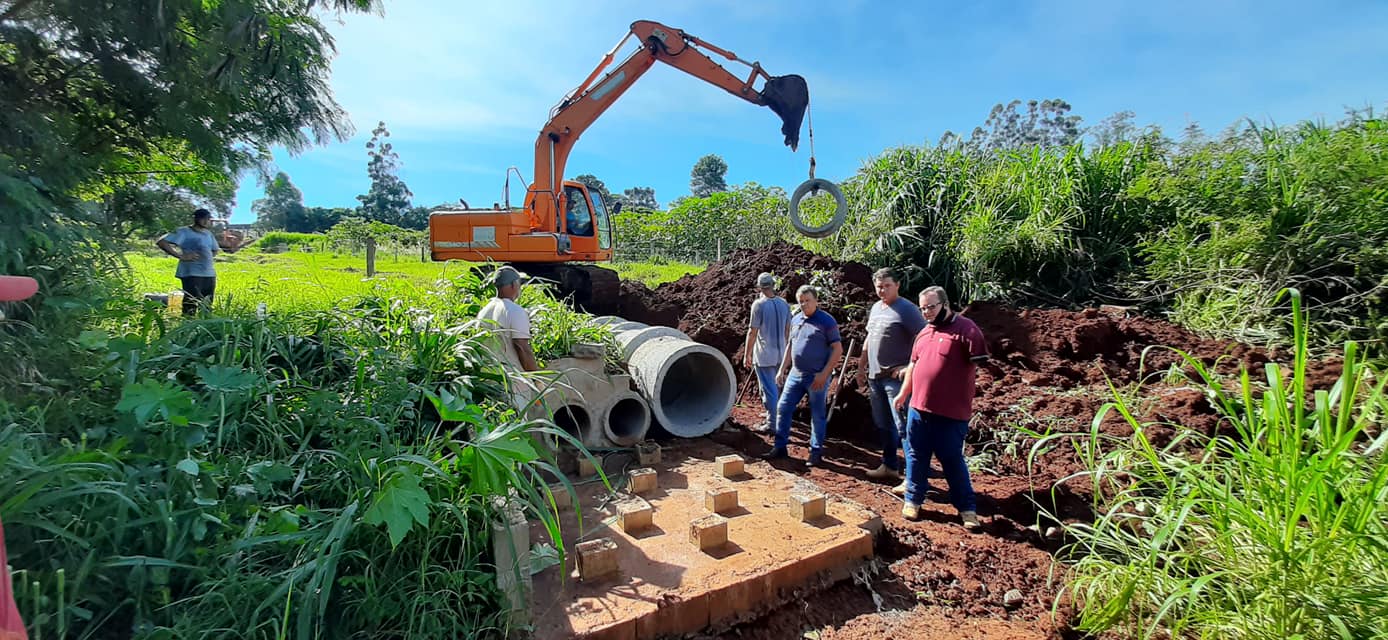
pixel 891 329
pixel 766 344
pixel 196 245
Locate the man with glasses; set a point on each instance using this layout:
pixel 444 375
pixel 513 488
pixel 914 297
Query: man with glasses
pixel 939 384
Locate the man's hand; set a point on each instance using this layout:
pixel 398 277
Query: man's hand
pixel 862 378
pixel 899 401
pixel 899 373
pixel 820 380
pixel 747 363
pixel 189 256
pixel 781 378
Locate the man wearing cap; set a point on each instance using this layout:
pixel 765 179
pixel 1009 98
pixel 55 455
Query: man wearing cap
pixel 766 344
pixel 892 326
pixel 196 246
pixel 510 321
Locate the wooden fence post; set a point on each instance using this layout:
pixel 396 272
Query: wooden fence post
pixel 370 257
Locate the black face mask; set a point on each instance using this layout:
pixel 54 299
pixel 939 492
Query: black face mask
pixel 941 316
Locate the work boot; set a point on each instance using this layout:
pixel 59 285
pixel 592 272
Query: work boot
pixel 970 519
pixel 775 454
pixel 883 472
pixel 911 512
pixel 762 427
pixel 900 489
pixel 816 459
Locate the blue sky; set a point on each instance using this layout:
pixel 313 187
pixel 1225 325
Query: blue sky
pixel 464 87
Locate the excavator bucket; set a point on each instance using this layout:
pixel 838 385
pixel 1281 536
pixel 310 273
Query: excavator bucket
pixel 788 96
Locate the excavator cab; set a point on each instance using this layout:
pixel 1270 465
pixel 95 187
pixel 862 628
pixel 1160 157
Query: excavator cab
pixel 585 219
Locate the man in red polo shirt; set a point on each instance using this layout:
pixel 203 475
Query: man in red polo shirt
pixel 939 382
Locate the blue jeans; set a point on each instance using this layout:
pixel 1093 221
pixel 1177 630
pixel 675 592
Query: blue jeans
pixel 797 385
pixel 766 379
pixel 891 425
pixel 944 438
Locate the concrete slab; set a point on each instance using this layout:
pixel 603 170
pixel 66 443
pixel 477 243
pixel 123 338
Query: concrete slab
pixel 667 586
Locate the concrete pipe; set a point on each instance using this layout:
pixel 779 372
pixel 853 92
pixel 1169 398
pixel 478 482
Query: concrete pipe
pixel 690 386
pixel 627 419
pixel 631 339
pixel 575 419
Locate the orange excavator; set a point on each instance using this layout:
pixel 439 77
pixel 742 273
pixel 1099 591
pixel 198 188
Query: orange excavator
pixel 536 238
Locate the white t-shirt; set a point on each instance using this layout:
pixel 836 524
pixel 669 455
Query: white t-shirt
pixel 508 321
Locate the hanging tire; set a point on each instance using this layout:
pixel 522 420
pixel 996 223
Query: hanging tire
pixel 827 229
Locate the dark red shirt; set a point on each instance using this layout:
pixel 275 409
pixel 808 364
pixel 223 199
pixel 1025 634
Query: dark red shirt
pixel 942 381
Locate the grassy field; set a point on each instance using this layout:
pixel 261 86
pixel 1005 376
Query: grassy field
pixel 297 281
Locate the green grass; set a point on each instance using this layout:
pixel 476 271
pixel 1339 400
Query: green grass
pixel 1277 528
pixel 651 274
pixel 296 281
pixel 317 473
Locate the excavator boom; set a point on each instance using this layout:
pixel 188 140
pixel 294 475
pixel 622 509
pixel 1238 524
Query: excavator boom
pixel 537 236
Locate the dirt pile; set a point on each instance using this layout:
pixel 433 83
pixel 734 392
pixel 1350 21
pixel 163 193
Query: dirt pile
pixel 712 307
pixel 1051 370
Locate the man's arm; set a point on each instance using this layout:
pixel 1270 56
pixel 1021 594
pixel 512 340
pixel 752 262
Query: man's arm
pixel 905 394
pixel 785 364
pixel 747 349
pixel 525 353
pixel 835 355
pixel 168 247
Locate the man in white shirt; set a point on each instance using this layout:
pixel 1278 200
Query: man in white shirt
pixel 509 321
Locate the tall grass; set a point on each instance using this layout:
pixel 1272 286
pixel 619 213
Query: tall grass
pixel 1276 529
pixel 323 473
pixel 1210 228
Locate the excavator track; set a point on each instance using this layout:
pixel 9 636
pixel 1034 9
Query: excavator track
pixel 590 288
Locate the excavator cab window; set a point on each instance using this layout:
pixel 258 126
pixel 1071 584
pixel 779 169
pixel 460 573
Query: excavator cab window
pixel 577 218
pixel 604 225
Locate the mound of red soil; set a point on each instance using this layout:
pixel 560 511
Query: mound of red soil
pixel 1051 370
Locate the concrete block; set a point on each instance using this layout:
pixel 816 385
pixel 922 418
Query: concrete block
pixel 586 467
pixel 720 499
pixel 648 453
pixel 562 498
pixel 642 480
pixel 708 532
pixel 634 514
pixel 729 466
pixel 807 507
pixel 596 559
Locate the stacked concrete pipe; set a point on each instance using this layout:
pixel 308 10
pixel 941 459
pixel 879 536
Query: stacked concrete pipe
pixel 689 386
pixel 600 410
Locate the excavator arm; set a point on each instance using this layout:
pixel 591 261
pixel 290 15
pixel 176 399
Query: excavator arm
pixel 787 96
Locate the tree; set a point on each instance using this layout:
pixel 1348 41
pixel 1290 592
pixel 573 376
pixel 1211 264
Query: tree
pixel 1114 129
pixel 594 184
pixel 106 99
pixel 388 200
pixel 1046 124
pixel 640 197
pixel 282 207
pixel 707 177
pixel 320 219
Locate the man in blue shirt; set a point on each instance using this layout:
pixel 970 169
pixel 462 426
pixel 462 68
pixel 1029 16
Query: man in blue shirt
pixel 196 246
pixel 766 344
pixel 807 367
